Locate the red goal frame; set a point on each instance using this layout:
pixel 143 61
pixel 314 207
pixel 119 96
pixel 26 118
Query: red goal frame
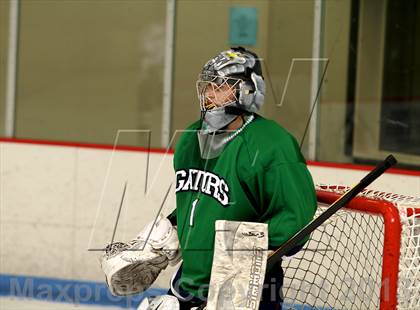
pixel 392 237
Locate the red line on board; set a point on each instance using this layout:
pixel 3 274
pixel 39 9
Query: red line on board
pixel 170 151
pixel 360 167
pixel 87 145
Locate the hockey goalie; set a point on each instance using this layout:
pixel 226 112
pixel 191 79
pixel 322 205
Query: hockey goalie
pixel 242 188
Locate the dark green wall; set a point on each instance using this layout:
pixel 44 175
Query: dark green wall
pixel 290 36
pixel 4 20
pixel 202 31
pixel 89 68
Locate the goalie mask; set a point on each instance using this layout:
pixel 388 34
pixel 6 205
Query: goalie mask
pixel 229 85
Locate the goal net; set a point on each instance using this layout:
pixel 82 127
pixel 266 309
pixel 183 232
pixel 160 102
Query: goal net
pixel 367 256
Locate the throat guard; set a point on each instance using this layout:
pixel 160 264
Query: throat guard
pixel 211 144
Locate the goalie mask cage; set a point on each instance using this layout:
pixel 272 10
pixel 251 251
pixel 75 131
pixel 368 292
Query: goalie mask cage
pixel 366 256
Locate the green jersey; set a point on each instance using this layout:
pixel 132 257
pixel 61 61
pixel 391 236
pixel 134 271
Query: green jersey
pixel 261 176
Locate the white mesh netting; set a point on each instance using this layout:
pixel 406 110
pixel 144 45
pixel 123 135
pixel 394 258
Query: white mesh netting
pixel 341 266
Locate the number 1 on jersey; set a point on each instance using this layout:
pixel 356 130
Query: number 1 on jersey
pixel 193 211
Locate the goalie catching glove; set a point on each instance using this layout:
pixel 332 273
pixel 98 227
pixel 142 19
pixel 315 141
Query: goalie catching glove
pixel 131 268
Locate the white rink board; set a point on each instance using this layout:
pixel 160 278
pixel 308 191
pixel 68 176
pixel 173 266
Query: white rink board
pixel 57 202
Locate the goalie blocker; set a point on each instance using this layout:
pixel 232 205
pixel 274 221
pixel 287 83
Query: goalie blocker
pixel 238 271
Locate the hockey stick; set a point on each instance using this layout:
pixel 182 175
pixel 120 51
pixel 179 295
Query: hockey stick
pixel 337 205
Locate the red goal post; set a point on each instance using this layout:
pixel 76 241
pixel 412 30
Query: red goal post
pixel 367 256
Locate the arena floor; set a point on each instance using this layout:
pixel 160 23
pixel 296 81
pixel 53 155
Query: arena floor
pixel 8 303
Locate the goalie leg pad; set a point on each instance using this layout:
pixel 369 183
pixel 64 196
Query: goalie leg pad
pixel 164 302
pixel 239 265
